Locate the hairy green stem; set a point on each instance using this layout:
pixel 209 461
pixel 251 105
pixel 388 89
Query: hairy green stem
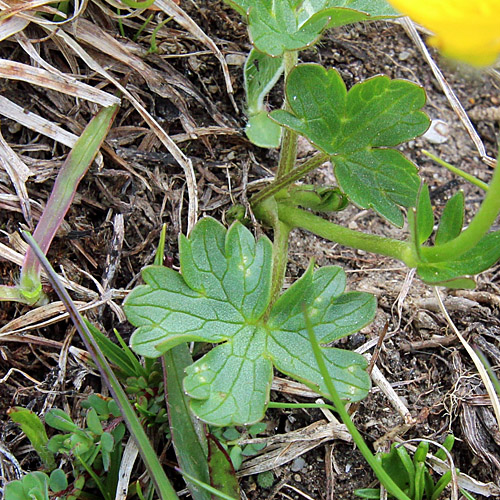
pixel 288 152
pixel 280 259
pixel 267 212
pixel 288 156
pixel 296 217
pixel 478 227
pixel 293 176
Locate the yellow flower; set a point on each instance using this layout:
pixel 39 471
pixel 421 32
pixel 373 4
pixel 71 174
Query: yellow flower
pixel 466 30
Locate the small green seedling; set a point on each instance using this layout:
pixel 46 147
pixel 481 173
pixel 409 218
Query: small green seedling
pixel 29 288
pixel 37 486
pixel 95 451
pixel 229 438
pixel 413 476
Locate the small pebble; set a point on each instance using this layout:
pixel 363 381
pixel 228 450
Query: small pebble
pixel 403 56
pixel 297 478
pixel 438 132
pixel 298 464
pixel 236 59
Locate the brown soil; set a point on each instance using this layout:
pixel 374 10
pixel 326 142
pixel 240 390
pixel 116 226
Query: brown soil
pixel 151 192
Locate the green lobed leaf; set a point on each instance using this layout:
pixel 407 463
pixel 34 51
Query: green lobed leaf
pixel 357 129
pixel 452 219
pixel 230 385
pixel 222 297
pixel 475 261
pixel 276 27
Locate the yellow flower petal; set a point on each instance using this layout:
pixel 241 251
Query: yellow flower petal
pixel 467 30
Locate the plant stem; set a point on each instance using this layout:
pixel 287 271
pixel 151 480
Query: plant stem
pixel 294 175
pixel 267 212
pixel 288 153
pixel 381 474
pixel 296 217
pixel 473 180
pixel 478 227
pixel 280 259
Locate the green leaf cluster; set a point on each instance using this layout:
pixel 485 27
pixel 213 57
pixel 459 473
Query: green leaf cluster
pixel 412 476
pixel 453 272
pixel 93 450
pixel 276 27
pixel 228 438
pixel 222 296
pixel 92 446
pixel 37 486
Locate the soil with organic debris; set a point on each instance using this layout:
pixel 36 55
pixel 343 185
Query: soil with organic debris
pixel 438 387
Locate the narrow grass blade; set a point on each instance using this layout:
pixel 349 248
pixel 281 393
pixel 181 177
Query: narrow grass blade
pixel 74 168
pixel 215 493
pixel 187 436
pixel 162 484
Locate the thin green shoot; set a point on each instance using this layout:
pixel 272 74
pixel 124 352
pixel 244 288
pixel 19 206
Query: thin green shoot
pixel 160 251
pixel 274 404
pixel 381 474
pixel 142 28
pixel 466 494
pixel 139 5
pixel 95 477
pixel 205 486
pixel 489 370
pixel 457 171
pixel 62 7
pixel 74 168
pixel 120 23
pixel 130 355
pixel 153 49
